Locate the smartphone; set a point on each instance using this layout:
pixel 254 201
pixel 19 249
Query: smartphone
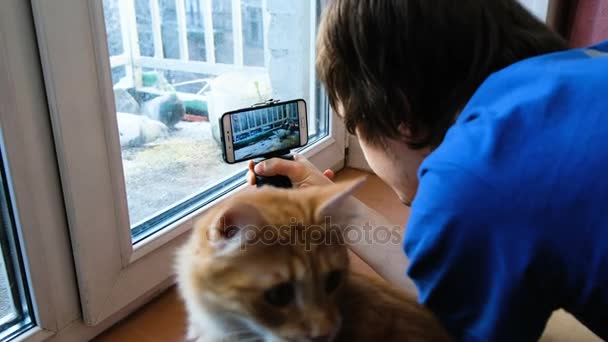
pixel 260 131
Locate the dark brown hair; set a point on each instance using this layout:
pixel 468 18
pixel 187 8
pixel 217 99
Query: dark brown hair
pixel 414 64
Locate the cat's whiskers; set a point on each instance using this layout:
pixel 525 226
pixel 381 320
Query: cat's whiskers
pixel 252 339
pixel 242 335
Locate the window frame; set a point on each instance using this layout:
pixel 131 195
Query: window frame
pixel 539 8
pixel 111 271
pixel 13 262
pixel 34 186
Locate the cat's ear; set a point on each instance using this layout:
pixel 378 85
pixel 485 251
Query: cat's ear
pixel 334 197
pixel 233 226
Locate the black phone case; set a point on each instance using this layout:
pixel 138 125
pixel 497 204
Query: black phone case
pixel 276 181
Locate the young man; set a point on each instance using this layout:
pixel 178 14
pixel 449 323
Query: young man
pixel 477 115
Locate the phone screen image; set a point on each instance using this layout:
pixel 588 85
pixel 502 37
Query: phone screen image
pixel 263 130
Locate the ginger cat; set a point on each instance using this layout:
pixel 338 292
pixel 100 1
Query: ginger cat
pixel 264 266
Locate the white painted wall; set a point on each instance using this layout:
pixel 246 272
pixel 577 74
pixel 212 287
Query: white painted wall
pixel 538 7
pixel 288 49
pixel 355 158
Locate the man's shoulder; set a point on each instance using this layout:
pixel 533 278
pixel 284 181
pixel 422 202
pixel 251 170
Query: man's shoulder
pixel 520 121
pixel 569 75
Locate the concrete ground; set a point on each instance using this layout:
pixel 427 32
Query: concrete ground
pixel 160 174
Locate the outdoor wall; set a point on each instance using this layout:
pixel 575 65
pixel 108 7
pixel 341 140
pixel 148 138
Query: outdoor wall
pixel 288 54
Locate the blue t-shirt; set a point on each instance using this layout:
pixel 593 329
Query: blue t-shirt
pixel 510 221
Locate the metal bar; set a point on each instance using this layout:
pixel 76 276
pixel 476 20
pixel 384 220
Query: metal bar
pixel 250 120
pixel 237 32
pixel 314 110
pixel 120 60
pixel 261 125
pixel 209 32
pixel 182 29
pixel 191 66
pixel 156 29
pixel 130 38
pixel 200 80
pixel 265 26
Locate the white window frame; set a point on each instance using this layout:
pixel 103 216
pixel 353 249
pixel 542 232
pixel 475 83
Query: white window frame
pixel 539 8
pixel 111 272
pixel 33 176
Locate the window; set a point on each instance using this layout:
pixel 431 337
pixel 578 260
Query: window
pixel 15 306
pixel 134 178
pixel 176 67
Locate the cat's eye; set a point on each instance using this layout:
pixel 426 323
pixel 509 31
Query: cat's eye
pixel 332 281
pixel 280 295
pixel 230 232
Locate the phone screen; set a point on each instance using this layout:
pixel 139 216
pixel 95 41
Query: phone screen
pixel 263 130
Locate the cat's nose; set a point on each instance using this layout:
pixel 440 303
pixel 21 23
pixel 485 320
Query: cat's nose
pixel 321 326
pixel 324 338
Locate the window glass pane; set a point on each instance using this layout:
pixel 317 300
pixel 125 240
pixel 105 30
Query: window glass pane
pixel 169 28
pixel 143 20
pixel 118 73
pixel 196 30
pixel 7 308
pixel 253 32
pixel 222 31
pixel 15 306
pixel 112 19
pixel 168 108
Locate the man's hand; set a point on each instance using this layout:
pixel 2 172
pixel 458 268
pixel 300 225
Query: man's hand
pixel 300 171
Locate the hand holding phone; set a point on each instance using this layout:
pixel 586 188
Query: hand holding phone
pixel 266 131
pixel 279 181
pixel 300 171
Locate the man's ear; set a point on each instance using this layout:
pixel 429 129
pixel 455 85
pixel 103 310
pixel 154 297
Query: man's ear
pixel 332 198
pixel 234 225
